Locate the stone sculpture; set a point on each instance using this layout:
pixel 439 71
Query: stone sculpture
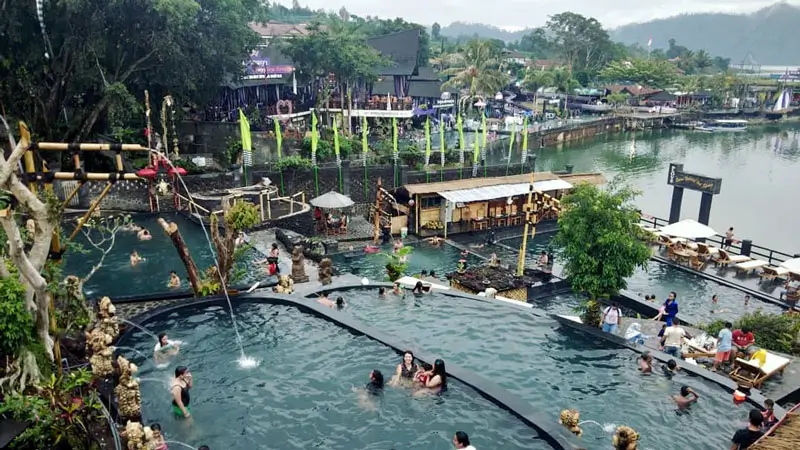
pixel 134 435
pixel 625 438
pixel 285 285
pixel 98 345
pixel 298 265
pixel 108 318
pixel 325 271
pixel 569 419
pixel 129 397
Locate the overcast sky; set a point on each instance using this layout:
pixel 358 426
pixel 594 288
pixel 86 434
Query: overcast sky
pixel 518 14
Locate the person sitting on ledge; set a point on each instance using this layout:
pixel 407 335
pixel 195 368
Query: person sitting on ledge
pixel 743 342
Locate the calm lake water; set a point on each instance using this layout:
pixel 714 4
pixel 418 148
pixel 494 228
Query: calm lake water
pixel 760 171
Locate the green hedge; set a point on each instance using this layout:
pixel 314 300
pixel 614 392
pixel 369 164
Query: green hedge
pixel 776 332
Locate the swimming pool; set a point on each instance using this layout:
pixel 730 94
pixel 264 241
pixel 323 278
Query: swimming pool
pixel 118 278
pixel 442 259
pixel 554 369
pixel 694 292
pixel 302 395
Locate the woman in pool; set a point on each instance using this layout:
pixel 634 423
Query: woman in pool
pixel 406 370
pixel 164 349
pixel 373 389
pixel 135 258
pixel 274 252
pixel 324 300
pixel 437 378
pixel 397 289
pixel 180 392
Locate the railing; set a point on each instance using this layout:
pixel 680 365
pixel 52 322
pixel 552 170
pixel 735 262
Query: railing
pixel 190 204
pixel 773 257
pixel 291 200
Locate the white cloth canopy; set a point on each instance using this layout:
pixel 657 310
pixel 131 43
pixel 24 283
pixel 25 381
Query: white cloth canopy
pixel 503 190
pixel 689 229
pixel 792 265
pixel 332 200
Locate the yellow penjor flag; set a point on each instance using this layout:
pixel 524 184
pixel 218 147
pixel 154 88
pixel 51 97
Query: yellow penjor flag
pixel 247 140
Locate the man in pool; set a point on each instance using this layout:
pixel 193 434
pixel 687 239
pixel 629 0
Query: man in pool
pixel 671 368
pixel 686 397
pixel 646 363
pixel 174 280
pixel 461 441
pixel 746 437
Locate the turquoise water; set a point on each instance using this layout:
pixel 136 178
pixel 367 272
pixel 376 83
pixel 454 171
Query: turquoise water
pixel 758 169
pixel 694 292
pixel 555 368
pixel 302 395
pixel 442 260
pixel 118 278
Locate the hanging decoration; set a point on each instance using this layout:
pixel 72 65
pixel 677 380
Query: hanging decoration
pixel 247 144
pixel 364 151
pixel 314 145
pixel 442 148
pixel 427 147
pixel 461 147
pixel 338 156
pixel 511 146
pixel 48 50
pixel 395 150
pixel 524 144
pixel 483 142
pixel 279 144
pixel 476 154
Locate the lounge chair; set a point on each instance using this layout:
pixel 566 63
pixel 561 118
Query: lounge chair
pixel 665 240
pixel 770 273
pixel 750 373
pixel 724 258
pixel 749 266
pixel 705 250
pixel 648 228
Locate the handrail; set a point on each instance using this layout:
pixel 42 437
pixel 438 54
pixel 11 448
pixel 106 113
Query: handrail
pixel 192 203
pixel 771 255
pixel 113 425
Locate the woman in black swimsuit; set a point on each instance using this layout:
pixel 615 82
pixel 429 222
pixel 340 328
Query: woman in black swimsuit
pixel 406 370
pixel 180 392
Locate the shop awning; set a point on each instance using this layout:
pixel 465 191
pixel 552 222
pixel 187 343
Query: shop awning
pixel 501 191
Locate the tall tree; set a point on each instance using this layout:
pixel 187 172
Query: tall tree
pixel 537 43
pixel 99 56
pixel 476 68
pixel 648 72
pixel 598 240
pixel 581 43
pixel 436 29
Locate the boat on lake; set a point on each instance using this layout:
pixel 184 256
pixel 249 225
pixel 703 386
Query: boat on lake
pixel 722 125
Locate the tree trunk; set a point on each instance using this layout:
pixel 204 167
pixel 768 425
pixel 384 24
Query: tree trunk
pixel 171 229
pixel 226 248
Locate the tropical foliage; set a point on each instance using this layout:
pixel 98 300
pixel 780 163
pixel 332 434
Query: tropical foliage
pixel 776 332
pixel 598 240
pixel 476 68
pixel 648 72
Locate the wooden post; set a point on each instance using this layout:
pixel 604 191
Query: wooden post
pixel 73 193
pixel 416 216
pixel 171 229
pixel 269 207
pixel 522 250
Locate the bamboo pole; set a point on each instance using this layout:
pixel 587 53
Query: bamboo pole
pixel 528 210
pixel 93 176
pixel 73 193
pixel 91 147
pixel 92 207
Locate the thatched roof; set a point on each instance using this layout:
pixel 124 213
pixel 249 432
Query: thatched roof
pixel 470 183
pixel 499 277
pixel 784 436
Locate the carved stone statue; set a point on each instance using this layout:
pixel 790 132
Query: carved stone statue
pixel 325 271
pixel 138 437
pixel 108 318
pixel 285 285
pixel 98 345
pixel 298 265
pixel 129 397
pixel 570 418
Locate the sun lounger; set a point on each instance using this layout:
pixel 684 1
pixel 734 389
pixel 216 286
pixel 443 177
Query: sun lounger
pixel 773 272
pixel 749 266
pixel 749 371
pixel 706 250
pixel 724 258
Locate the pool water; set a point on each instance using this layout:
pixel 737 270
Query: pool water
pixel 554 369
pixel 303 394
pixel 118 278
pixel 694 292
pixel 442 260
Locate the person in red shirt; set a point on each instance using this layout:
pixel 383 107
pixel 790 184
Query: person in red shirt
pixel 744 342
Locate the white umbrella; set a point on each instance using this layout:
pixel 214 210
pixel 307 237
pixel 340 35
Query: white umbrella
pixel 332 200
pixel 793 265
pixel 689 229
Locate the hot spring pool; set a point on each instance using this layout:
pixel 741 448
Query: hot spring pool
pixel 442 260
pixel 301 396
pixel 555 369
pixel 694 292
pixel 118 278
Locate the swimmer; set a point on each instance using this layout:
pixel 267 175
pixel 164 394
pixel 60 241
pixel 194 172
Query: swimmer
pixel 274 252
pixel 398 244
pixel 144 235
pixel 422 375
pixel 437 378
pixel 135 258
pixel 165 348
pixel 419 289
pixel 406 370
pixel 646 363
pixel 671 368
pixel 324 300
pixel 686 397
pixel 369 249
pixel 382 292
pixel 397 289
pixel 240 240
pixel 158 441
pixel 180 392
pixel 174 280
pixel 435 241
pixel 373 389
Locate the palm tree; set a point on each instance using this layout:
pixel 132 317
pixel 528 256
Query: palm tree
pixel 475 68
pixel 536 79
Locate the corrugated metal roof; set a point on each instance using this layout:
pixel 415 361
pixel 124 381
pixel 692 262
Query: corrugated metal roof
pixel 471 183
pixel 502 191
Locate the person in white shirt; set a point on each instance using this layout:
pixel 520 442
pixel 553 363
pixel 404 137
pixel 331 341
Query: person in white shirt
pixel 672 340
pixel 461 441
pixel 611 319
pixel 165 348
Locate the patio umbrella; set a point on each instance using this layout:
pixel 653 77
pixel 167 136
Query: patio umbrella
pixel 689 229
pixel 332 200
pixel 793 265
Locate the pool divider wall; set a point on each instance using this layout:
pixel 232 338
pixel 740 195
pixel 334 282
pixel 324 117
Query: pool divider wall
pixel 548 429
pixel 755 398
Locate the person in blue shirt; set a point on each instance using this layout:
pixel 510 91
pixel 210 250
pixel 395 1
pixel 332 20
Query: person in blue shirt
pixel 724 341
pixel 670 308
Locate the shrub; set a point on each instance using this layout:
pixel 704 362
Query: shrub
pixel 16 323
pixel 294 162
pixel 241 216
pixel 776 332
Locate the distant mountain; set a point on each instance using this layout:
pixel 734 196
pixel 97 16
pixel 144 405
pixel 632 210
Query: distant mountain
pixel 764 37
pixel 462 29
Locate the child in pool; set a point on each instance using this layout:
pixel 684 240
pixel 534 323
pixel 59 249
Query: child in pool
pixel 422 375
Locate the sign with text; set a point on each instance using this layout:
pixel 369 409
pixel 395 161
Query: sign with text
pixel 678 178
pixel 259 66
